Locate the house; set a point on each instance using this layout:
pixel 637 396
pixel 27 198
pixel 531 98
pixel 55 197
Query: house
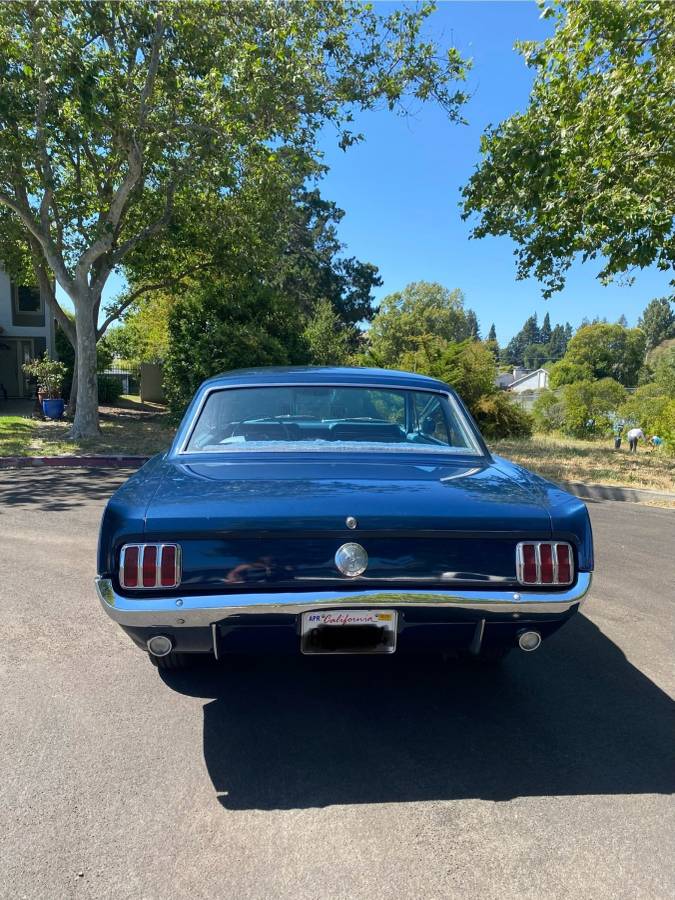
pixel 26 331
pixel 505 379
pixel 530 381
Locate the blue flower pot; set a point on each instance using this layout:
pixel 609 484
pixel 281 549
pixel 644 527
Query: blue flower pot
pixel 53 409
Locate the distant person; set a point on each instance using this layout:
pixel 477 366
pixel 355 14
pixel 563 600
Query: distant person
pixel 655 441
pixel 618 431
pixel 635 435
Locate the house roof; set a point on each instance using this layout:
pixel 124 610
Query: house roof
pixel 529 375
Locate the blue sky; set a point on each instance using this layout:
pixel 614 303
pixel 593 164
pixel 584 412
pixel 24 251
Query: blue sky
pixel 400 188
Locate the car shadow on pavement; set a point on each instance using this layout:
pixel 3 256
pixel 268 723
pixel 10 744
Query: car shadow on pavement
pixel 575 718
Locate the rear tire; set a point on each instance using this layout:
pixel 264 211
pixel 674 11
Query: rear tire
pixel 174 661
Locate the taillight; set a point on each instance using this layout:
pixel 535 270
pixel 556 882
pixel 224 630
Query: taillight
pixel 150 566
pixel 544 562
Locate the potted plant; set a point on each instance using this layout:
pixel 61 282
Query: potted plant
pixel 50 375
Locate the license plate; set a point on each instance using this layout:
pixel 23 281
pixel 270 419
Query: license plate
pixel 349 631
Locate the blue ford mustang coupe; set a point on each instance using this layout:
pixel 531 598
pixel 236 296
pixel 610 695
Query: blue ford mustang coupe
pixel 337 511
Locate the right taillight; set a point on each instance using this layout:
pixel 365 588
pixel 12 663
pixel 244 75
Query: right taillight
pixel 544 562
pixel 150 566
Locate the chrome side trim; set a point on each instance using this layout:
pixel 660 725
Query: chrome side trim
pixel 204 610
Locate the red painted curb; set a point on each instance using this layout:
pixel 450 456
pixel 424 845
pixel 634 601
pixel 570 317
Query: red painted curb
pixel 26 462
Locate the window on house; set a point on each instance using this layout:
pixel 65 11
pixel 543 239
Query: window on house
pixel 27 307
pixel 28 299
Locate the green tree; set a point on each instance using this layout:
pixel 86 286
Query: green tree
pixel 492 334
pixel 546 331
pixel 566 372
pixel 472 327
pixel 664 373
pixel 658 321
pixel 549 412
pixel 557 345
pixel 609 351
pixel 217 325
pixel 327 338
pixel 115 115
pixel 590 406
pixel 421 315
pixel 588 167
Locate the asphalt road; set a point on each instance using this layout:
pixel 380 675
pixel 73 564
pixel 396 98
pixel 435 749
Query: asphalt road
pixel 353 779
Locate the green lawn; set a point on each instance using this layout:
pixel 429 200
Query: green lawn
pixel 128 428
pixel 15 435
pixel 595 462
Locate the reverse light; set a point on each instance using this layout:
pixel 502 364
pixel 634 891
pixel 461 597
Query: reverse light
pixel 150 566
pixel 544 562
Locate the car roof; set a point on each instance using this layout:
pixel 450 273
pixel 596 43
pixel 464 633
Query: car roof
pixel 325 375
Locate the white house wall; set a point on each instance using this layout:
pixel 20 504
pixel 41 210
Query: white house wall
pixel 20 331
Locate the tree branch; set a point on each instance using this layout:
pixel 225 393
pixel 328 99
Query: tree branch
pixel 113 218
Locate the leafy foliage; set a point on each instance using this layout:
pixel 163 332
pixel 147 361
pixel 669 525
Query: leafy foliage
pixel 328 340
pixel 588 167
pixel 499 417
pixel 219 325
pixel 608 351
pixel 117 118
pixel 589 406
pixel 424 315
pixel 658 321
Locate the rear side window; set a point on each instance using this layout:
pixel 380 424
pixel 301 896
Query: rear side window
pixel 329 417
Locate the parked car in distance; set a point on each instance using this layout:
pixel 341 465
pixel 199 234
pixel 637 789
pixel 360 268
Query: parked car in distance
pixel 337 511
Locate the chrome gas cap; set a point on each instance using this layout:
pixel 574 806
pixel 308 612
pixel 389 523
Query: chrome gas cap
pixel 351 560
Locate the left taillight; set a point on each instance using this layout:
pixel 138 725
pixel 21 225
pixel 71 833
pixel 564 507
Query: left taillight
pixel 146 567
pixel 544 562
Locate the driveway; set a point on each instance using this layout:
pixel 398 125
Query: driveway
pixel 329 779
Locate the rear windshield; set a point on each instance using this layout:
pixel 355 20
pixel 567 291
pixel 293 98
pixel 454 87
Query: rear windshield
pixel 333 418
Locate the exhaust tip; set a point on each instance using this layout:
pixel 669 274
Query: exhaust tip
pixel 529 641
pixel 160 645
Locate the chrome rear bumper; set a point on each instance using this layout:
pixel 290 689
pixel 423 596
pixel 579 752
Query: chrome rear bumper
pixel 203 610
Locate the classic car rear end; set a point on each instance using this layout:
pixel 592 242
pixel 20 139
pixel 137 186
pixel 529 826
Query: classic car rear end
pixel 337 511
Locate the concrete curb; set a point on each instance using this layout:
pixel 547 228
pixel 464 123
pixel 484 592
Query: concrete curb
pixel 98 462
pixel 578 488
pixel 614 492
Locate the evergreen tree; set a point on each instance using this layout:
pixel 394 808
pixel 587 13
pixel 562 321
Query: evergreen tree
pixel 558 343
pixel 492 334
pixel 472 326
pixel 545 333
pixel 530 332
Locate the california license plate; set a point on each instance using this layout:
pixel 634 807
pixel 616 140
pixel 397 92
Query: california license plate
pixel 349 631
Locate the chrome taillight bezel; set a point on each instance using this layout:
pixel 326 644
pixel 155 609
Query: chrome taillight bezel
pixel 556 582
pixel 157 586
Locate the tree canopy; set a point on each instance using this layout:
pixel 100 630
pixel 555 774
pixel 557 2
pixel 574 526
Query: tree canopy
pixel 658 321
pixel 602 351
pixel 421 315
pixel 114 116
pixel 588 168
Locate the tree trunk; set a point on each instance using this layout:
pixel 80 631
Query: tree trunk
pixel 72 400
pixel 85 424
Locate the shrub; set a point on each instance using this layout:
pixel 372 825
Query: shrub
pixel 109 389
pixel 548 412
pixel 499 417
pixel 590 406
pixel 654 412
